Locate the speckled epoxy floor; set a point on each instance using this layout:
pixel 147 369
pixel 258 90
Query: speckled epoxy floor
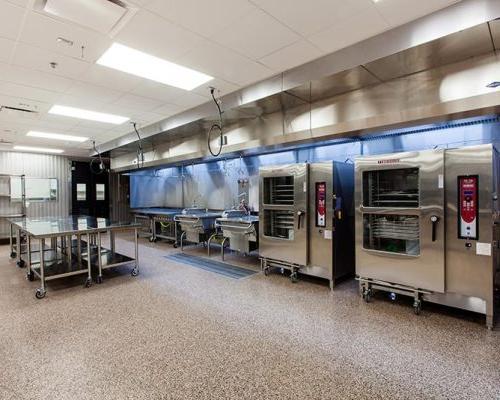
pixel 177 332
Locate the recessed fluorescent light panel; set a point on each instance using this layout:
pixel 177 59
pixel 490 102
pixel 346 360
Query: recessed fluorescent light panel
pixel 137 63
pixel 87 114
pixel 38 149
pixel 56 136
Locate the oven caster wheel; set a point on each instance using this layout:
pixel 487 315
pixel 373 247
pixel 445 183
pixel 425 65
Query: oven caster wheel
pixel 152 239
pixel 88 282
pixel 13 254
pixel 30 276
pixel 21 263
pixel 417 307
pixel 40 293
pixel 367 295
pixel 266 271
pixel 175 245
pixel 135 272
pixel 294 277
pixel 98 280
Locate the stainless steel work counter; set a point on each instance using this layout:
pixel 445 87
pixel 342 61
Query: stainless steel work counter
pixel 67 254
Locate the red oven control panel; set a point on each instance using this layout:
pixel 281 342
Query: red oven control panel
pixel 468 207
pixel 321 204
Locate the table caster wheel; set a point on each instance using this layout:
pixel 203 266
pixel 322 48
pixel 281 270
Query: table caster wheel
pixel 266 271
pixel 135 272
pixel 30 276
pixel 175 245
pixel 21 263
pixel 152 239
pixel 88 282
pixel 98 280
pixel 417 307
pixel 13 254
pixel 40 293
pixel 294 277
pixel 367 295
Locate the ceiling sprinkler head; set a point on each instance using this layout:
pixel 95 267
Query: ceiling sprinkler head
pixel 53 65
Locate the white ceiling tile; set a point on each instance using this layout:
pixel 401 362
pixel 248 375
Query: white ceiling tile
pixel 398 12
pixel 43 31
pixel 350 31
pixel 110 78
pixel 40 59
pixel 96 94
pixel 203 17
pixel 167 110
pixel 308 17
pixel 6 49
pixel 136 103
pixel 152 34
pixel 190 100
pixel 22 3
pixel 158 91
pixel 11 17
pixel 226 64
pixel 256 35
pixel 27 92
pixel 31 77
pixel 222 88
pixel 291 56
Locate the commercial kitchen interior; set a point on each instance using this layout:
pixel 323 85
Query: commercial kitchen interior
pixel 249 199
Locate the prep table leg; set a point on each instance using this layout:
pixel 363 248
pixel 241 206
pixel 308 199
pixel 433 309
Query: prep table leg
pixel 20 262
pixel 112 240
pixel 222 248
pixel 135 271
pixel 40 292
pixel 88 282
pixel 70 250
pixel 79 248
pixel 99 259
pixel 153 230
pixel 29 274
pixel 11 241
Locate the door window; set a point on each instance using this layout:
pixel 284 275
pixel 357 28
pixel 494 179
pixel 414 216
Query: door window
pixel 391 188
pixel 100 191
pixel 279 190
pixel 392 233
pixel 81 192
pixel 279 224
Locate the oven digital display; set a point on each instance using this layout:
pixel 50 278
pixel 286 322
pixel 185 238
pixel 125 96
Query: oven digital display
pixel 321 204
pixel 468 207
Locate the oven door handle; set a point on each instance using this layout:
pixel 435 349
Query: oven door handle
pixel 300 214
pixel 434 222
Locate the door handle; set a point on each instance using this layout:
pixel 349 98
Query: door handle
pixel 300 214
pixel 434 221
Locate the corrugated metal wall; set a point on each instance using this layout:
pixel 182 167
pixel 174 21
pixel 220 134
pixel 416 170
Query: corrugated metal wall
pixel 37 166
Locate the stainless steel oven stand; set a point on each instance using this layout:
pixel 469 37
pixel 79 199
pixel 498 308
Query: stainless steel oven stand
pixel 367 286
pixel 266 264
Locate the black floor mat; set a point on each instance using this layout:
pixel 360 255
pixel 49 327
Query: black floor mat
pixel 218 267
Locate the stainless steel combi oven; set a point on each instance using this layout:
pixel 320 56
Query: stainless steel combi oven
pixel 425 223
pixel 306 219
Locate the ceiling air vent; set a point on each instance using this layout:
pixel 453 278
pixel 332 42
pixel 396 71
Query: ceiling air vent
pixel 100 15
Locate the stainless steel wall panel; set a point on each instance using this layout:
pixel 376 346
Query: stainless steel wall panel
pixel 43 166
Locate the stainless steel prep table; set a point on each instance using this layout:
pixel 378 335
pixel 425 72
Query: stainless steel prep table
pixel 66 257
pixel 159 215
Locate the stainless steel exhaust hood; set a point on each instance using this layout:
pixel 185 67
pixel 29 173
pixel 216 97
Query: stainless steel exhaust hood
pixel 429 69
